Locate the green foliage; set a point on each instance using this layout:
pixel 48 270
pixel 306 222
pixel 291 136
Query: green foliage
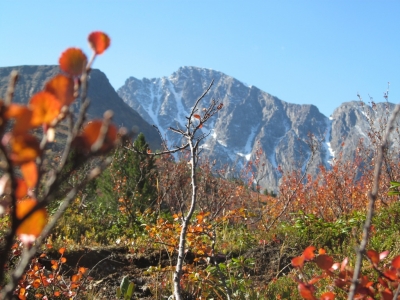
pixel 394 188
pixel 385 232
pixel 130 181
pixel 126 289
pixel 281 288
pixel 308 229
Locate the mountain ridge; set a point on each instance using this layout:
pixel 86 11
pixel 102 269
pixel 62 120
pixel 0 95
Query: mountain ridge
pixel 250 117
pixel 31 79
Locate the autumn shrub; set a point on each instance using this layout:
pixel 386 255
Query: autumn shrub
pixel 31 177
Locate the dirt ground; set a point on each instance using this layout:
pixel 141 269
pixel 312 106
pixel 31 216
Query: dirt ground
pixel 109 265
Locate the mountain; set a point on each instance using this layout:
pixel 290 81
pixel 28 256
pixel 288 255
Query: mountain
pixel 250 118
pixel 100 92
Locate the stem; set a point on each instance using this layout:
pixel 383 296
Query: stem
pixel 185 223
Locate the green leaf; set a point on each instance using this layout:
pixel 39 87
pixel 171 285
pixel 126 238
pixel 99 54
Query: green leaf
pixel 394 184
pixel 393 193
pixel 124 285
pixel 129 292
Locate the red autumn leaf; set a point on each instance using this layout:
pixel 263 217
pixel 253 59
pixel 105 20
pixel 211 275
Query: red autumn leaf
pixel 373 256
pixel 340 283
pixel 315 279
pixel 61 251
pixel 298 262
pixel 73 61
pixel 387 294
pixel 30 172
pixel 91 133
pixel 309 253
pixel 324 261
pixel 383 282
pixel 391 274
pixel 306 291
pixel 57 294
pixel 396 262
pixel 25 148
pixel 62 87
pixel 22 189
pixel 99 41
pixel 197 116
pixel 321 251
pixel 327 296
pixel 35 223
pixel 45 108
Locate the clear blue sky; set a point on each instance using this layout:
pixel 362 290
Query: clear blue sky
pixel 315 52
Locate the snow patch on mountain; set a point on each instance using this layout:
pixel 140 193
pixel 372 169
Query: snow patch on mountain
pixel 330 154
pixel 249 144
pixel 272 157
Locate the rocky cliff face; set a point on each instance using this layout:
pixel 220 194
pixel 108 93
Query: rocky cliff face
pixel 249 116
pixel 354 123
pixel 101 93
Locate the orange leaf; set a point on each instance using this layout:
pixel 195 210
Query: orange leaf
pixel 61 251
pixel 324 261
pixel 321 251
pixel 197 116
pixel 30 172
pixel 298 261
pixel 309 253
pixel 373 256
pixel 327 296
pixel 306 291
pixel 199 218
pixel 73 61
pixel 22 116
pixel 36 283
pixel 35 223
pixel 63 260
pixel 22 189
pixel 74 286
pixel 22 293
pixel 25 148
pixel 396 262
pixel 62 87
pixel 99 41
pixel 57 293
pixel 45 108
pixel 91 133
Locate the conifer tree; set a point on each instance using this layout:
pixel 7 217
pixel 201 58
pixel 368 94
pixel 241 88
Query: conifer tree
pixel 130 180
